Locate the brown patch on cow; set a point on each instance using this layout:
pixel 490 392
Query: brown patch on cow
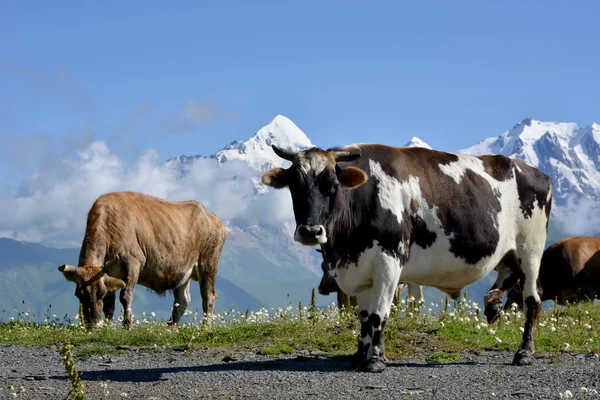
pixel 414 206
pixel 498 166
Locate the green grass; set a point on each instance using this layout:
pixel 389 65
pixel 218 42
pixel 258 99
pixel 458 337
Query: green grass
pixel 443 357
pixel 97 349
pixel 277 349
pixel 438 335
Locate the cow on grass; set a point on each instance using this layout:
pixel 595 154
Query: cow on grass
pixel 132 238
pixel 388 214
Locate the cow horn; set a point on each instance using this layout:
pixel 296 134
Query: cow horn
pixel 345 155
pixel 67 268
pixel 283 153
pixel 110 263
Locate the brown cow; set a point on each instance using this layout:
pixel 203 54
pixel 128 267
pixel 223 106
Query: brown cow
pixel 569 272
pixel 132 238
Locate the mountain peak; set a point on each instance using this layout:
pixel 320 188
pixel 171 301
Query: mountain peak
pixel 416 142
pixel 257 151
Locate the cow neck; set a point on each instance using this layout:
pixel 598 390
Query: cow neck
pixel 343 223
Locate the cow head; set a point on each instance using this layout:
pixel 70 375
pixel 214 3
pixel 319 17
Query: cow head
pixel 93 283
pixel 314 180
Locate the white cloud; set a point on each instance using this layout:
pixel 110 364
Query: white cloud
pixel 54 200
pixel 579 217
pixel 195 114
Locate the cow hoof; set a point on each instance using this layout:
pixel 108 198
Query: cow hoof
pixel 492 312
pixel 374 365
pixel 357 360
pixel 522 358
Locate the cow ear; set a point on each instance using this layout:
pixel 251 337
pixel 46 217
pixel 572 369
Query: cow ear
pixel 352 177
pixel 70 273
pixel 276 177
pixel 113 284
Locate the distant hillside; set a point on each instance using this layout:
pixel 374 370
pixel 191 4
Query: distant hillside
pixel 29 280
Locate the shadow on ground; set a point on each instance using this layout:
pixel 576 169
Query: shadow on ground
pixel 334 364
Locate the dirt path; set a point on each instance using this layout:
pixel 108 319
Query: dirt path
pixel 205 374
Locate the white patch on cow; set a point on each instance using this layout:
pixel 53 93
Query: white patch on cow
pixel 312 162
pixel 549 195
pixel 530 247
pixel 186 276
pixel 394 195
pixel 457 169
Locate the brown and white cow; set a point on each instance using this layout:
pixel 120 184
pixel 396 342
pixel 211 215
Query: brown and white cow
pixel 388 214
pixel 569 272
pixel 132 238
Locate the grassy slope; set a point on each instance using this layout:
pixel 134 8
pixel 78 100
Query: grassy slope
pixel 570 329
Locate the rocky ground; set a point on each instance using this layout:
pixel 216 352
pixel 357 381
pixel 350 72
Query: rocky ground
pixel 220 374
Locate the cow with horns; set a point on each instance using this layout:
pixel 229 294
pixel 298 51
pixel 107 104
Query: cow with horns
pixel 388 214
pixel 136 239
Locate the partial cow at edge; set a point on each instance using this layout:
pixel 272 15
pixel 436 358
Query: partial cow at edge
pixel 387 214
pixel 132 238
pixel 569 272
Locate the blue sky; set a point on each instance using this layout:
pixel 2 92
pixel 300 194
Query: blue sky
pixel 451 73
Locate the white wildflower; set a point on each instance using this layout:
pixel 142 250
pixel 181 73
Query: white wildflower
pixel 566 394
pixel 498 339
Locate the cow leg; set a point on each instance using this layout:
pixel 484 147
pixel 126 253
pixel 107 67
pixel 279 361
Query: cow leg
pixel 181 299
pixel 374 305
pixel 416 291
pixel 132 269
pixel 208 292
pixel 108 305
pixel 507 277
pixel 514 296
pixel 530 265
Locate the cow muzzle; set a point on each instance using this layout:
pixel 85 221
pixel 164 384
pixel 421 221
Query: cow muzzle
pixel 310 235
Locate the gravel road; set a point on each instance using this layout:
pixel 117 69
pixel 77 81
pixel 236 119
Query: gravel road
pixel 217 373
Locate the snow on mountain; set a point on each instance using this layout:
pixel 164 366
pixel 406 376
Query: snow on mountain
pixel 416 142
pixel 257 150
pixel 564 151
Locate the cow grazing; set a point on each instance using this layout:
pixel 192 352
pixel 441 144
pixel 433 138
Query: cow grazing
pixel 328 285
pixel 389 214
pixel 569 272
pixel 132 238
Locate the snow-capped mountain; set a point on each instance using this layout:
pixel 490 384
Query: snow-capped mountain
pixel 416 142
pixel 256 150
pixel 568 153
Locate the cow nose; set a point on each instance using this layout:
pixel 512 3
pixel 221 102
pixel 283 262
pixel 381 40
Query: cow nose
pixel 310 230
pixel 320 231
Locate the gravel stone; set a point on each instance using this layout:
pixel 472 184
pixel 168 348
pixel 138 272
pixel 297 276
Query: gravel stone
pixel 223 373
